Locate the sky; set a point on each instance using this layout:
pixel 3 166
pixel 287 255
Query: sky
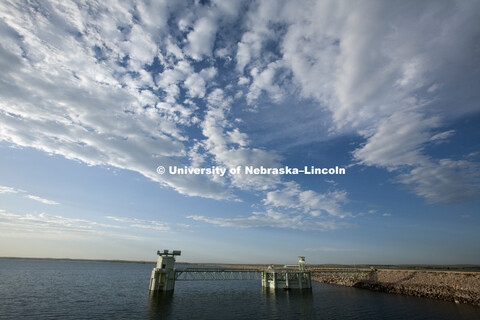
pixel 103 101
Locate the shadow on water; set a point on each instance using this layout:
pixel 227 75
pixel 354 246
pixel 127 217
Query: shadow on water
pixel 286 295
pixel 160 303
pixel 277 301
pixel 215 303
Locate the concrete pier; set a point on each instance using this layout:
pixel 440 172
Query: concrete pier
pixel 163 275
pixel 286 279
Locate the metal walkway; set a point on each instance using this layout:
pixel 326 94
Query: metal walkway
pixel 198 274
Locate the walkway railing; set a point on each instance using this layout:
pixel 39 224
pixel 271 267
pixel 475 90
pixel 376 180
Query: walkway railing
pixel 198 274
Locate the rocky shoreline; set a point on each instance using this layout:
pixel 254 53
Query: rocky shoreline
pixel 459 287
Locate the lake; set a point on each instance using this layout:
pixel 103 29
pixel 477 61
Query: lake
pixel 58 289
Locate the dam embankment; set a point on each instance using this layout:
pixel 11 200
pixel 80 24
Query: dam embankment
pixel 459 287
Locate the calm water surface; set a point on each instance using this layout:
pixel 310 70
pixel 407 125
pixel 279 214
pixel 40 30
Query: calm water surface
pixel 47 289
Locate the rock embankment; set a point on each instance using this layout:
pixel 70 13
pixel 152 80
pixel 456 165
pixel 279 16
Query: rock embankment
pixel 460 287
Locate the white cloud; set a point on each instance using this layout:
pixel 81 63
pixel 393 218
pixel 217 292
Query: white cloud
pixel 309 201
pixel 377 70
pixel 46 223
pixel 153 16
pixel 78 81
pixel 4 189
pixel 196 83
pixel 259 19
pixel 140 47
pixel 398 144
pixel 250 45
pixel 42 200
pixel 446 181
pixel 273 219
pixel 266 80
pixel 369 212
pixel 227 145
pixel 329 249
pixel 201 39
pixel 304 210
pixel 175 74
pixel 397 141
pixel 71 95
pixel 143 224
pixel 442 135
pixel 230 8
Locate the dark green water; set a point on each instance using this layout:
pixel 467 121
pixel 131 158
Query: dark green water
pixel 47 289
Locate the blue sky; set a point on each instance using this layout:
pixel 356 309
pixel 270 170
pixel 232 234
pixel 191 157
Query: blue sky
pixel 96 95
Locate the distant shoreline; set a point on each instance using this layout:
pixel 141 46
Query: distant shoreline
pixel 419 267
pixel 78 259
